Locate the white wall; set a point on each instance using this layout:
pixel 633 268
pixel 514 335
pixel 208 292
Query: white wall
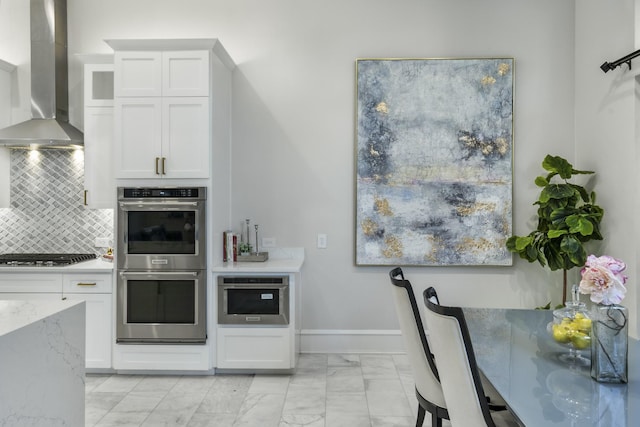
pixel 293 129
pixel 606 117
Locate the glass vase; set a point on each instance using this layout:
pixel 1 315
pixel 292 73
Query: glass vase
pixel 609 338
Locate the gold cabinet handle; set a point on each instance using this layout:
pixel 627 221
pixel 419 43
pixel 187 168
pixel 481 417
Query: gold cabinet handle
pixel 164 166
pixel 85 197
pixel 86 284
pixel 157 171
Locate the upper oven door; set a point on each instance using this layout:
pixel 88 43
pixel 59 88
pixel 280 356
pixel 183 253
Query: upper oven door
pixel 161 235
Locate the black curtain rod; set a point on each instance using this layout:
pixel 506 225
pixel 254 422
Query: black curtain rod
pixel 624 60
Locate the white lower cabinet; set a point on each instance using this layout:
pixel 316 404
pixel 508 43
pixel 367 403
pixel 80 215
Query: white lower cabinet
pixel 251 347
pixel 254 348
pixel 95 289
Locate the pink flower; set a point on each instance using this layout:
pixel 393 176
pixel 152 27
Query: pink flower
pixel 602 278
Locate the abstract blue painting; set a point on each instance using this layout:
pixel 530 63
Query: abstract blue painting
pixel 434 151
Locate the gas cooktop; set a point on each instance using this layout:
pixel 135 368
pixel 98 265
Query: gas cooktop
pixel 44 260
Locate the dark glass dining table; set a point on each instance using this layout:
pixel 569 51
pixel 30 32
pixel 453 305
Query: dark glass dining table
pixel 517 354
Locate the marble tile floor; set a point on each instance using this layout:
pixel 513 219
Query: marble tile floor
pixel 326 390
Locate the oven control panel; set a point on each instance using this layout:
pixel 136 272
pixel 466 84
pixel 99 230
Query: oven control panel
pixel 163 193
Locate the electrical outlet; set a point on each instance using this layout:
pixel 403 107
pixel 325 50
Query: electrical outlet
pixel 101 242
pixel 322 241
pixel 268 242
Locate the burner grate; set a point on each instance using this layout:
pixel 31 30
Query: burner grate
pixel 28 259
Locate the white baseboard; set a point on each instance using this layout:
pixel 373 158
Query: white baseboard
pixel 351 341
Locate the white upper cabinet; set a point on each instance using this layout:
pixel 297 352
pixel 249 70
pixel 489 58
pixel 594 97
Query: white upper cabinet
pixel 98 85
pixel 138 127
pixel 165 73
pixel 99 182
pixel 138 74
pixel 185 137
pixel 185 73
pixel 162 108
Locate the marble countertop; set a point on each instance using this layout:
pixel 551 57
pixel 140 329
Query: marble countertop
pixel 282 260
pixel 17 314
pixel 97 265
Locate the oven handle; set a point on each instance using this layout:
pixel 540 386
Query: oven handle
pixel 167 205
pixel 158 273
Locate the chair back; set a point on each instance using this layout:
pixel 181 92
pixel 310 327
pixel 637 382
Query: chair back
pixel 418 351
pixel 459 374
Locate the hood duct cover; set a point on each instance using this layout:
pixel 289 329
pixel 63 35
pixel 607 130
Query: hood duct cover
pixel 49 126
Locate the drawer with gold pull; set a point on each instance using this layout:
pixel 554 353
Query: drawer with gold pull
pixel 87 283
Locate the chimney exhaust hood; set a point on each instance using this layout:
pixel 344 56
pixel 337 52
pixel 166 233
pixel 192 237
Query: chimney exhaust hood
pixel 49 126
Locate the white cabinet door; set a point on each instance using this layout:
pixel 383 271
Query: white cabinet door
pixel 99 184
pixel 137 74
pixel 98 330
pixel 138 137
pixel 185 137
pixel 185 73
pixel 98 85
pixel 254 348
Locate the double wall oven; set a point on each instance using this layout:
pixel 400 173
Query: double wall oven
pixel 161 263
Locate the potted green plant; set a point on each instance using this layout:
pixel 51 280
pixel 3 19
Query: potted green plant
pixel 567 218
pixel 244 248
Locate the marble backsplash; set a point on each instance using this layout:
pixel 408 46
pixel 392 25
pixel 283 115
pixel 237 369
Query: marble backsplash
pixel 46 211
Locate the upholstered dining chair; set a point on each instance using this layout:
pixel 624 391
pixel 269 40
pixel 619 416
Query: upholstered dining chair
pixel 459 374
pixel 428 389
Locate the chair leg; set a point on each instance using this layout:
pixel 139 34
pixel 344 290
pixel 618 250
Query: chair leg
pixel 436 421
pixel 421 414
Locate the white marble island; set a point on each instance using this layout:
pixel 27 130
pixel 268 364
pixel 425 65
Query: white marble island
pixel 42 353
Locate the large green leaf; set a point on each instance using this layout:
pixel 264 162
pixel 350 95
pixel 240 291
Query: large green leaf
pixel 579 224
pixel 556 191
pixel 553 256
pixel 558 216
pixel 556 233
pixel 558 165
pixel 523 242
pixel 583 193
pixel 541 181
pixel 574 251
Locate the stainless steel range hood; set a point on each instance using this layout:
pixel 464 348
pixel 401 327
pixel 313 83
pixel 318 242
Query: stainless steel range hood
pixel 49 126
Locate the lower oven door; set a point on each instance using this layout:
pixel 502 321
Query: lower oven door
pixel 168 307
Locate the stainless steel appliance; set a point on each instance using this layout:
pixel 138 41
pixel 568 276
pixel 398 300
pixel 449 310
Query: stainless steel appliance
pixel 49 126
pixel 161 307
pixel 161 263
pixel 43 260
pixel 161 228
pixel 253 300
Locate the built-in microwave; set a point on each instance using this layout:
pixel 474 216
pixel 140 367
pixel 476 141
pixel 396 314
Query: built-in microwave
pixel 161 228
pixel 247 300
